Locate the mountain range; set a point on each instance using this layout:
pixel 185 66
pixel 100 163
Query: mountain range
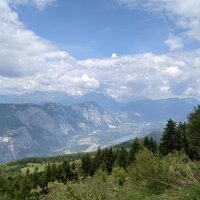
pixel 30 129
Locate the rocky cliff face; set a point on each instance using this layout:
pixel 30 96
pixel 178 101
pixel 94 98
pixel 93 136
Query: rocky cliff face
pixel 32 130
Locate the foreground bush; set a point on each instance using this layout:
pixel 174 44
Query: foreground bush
pixel 157 174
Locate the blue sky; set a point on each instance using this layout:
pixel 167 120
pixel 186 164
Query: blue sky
pixel 89 28
pixel 66 46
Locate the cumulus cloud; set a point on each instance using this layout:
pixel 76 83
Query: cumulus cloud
pixel 30 63
pixel 174 43
pixel 147 74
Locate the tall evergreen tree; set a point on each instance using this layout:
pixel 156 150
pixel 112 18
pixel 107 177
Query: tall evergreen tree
pixel 43 182
pixel 108 159
pixel 86 163
pixel 67 172
pixel 193 134
pixel 25 186
pixel 48 173
pixel 146 142
pixel 170 140
pixel 150 144
pixel 35 177
pixel 182 131
pixel 122 158
pixel 96 162
pixel 54 172
pixel 135 147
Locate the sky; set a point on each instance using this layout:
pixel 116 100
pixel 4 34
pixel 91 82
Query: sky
pixel 121 48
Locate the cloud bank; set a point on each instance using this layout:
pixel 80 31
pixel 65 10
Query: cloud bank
pixel 150 75
pixel 31 63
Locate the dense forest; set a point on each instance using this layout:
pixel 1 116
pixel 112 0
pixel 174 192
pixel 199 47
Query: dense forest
pixel 145 170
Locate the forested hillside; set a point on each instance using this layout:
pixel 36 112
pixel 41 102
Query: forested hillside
pixel 146 170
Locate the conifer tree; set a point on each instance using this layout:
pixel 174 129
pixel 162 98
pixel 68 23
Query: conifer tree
pixel 122 158
pixel 193 134
pixel 48 173
pixel 35 177
pixel 182 130
pixel 146 142
pixel 67 173
pixel 135 147
pixel 153 145
pixel 25 186
pixel 86 163
pixel 108 159
pixel 96 162
pixel 170 140
pixel 43 182
pixel 60 173
pixel 54 172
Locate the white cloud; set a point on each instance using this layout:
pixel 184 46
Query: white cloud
pixel 30 63
pixel 184 13
pixel 114 55
pixel 174 43
pixel 150 75
pixel 173 71
pixel 40 4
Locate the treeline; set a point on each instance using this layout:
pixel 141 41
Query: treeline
pixel 182 136
pixel 16 165
pixel 32 185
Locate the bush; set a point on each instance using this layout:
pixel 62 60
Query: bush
pixel 120 175
pixel 158 174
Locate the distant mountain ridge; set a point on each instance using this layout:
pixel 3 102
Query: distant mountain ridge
pixel 51 128
pixel 106 102
pixel 160 109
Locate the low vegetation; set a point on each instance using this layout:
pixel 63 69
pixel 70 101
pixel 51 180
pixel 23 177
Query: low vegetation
pixel 146 170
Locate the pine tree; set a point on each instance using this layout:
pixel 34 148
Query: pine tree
pixel 86 163
pixel 146 142
pixel 182 130
pixel 15 188
pixel 135 147
pixel 67 172
pixel 60 173
pixel 153 145
pixel 96 162
pixel 25 186
pixel 43 182
pixel 193 134
pixel 35 177
pixel 48 173
pixel 54 172
pixel 122 158
pixel 108 159
pixel 170 140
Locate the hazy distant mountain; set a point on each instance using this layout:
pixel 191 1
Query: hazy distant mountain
pixel 38 97
pixel 160 110
pixel 33 130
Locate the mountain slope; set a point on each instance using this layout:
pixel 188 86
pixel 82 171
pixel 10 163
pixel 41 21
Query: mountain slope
pixel 51 129
pixel 160 110
pixel 29 129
